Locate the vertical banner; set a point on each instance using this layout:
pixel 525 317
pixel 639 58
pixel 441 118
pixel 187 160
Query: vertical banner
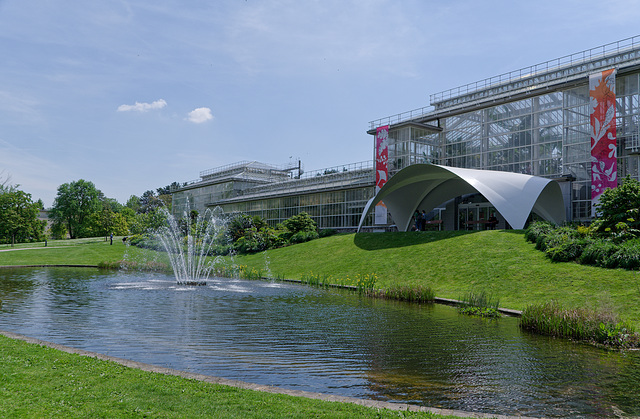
pixel 604 158
pixel 382 170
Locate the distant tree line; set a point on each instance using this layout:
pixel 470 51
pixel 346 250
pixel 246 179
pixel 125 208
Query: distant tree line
pixel 79 210
pixel 82 210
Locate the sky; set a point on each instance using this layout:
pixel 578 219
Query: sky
pixel 134 95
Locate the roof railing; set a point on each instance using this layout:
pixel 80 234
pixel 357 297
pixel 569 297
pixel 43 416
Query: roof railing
pixel 563 63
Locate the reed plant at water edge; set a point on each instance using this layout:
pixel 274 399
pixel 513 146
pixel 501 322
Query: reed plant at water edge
pixel 414 294
pixel 603 327
pixel 479 304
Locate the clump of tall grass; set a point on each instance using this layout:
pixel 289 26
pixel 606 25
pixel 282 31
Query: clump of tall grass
pixel 479 304
pixel 316 280
pixel 362 283
pixel 238 271
pixel 416 294
pixel 582 324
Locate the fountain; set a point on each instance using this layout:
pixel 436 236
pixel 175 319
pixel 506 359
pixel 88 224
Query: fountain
pixel 189 242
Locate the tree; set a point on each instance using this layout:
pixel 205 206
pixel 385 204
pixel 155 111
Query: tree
pixel 73 206
pixel 19 217
pixel 145 222
pixel 134 203
pixel 618 209
pixel 150 202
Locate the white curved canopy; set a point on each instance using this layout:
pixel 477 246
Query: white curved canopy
pixel 426 186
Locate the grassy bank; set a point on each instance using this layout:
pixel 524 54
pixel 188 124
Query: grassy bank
pixel 500 263
pixel 38 381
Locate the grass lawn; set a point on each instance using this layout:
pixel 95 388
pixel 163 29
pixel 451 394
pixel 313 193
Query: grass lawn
pixel 38 382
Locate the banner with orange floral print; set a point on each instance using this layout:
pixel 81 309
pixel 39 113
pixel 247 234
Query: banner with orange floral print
pixel 604 157
pixel 382 170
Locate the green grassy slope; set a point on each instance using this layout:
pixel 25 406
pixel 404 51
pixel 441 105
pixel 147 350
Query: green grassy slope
pixel 501 263
pixel 453 263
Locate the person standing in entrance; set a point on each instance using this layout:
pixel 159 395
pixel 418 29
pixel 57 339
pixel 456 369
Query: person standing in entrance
pixel 493 221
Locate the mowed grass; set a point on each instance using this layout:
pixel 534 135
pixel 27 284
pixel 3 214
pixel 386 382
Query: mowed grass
pixel 39 382
pixel 90 251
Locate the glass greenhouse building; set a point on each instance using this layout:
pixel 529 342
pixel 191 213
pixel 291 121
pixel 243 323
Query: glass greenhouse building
pixel 534 121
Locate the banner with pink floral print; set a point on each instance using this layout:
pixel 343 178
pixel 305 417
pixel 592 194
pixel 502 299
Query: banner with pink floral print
pixel 604 156
pixel 382 170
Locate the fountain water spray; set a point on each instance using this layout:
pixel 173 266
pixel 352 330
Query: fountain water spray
pixel 189 243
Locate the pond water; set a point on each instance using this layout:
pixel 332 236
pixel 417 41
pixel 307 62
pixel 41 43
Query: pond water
pixel 328 341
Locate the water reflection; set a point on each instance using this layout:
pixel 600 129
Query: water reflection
pixel 320 340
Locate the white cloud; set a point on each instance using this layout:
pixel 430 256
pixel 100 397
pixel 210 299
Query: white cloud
pixel 200 115
pixel 143 107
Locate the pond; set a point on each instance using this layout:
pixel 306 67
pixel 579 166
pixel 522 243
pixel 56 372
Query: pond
pixel 328 341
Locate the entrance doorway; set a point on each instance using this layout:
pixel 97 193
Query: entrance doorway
pixel 474 216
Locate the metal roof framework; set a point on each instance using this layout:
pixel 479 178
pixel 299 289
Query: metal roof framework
pixel 426 186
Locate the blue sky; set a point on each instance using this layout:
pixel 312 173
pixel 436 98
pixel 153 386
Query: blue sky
pixel 133 95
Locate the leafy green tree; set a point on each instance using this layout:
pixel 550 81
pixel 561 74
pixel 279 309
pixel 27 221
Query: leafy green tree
pixel 618 209
pixel 19 217
pixel 73 206
pixel 134 203
pixel 106 222
pixel 145 222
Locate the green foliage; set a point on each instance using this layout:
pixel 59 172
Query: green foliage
pixel 585 245
pixel 19 217
pixel 105 222
pixel 303 236
pixel 598 253
pixel 326 232
pixel 73 206
pixel 300 223
pixel 479 304
pixel 257 240
pixel 240 223
pixel 537 229
pixel 149 221
pixel 414 294
pixel 583 324
pixel 619 210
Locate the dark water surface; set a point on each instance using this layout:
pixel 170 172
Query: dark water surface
pixel 327 341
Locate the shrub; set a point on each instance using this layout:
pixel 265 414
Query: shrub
pixel 300 222
pixel 303 236
pixel 627 256
pixel 598 253
pixel 537 229
pixel 567 249
pixel 556 237
pixel 326 232
pixel 619 209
